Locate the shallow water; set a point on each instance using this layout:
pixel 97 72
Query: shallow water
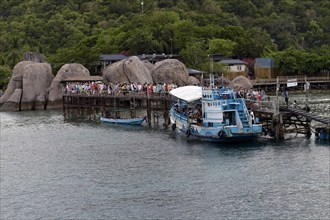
pixel 53 168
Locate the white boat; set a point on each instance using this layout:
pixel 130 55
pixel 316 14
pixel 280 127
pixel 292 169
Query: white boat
pixel 126 121
pixel 212 114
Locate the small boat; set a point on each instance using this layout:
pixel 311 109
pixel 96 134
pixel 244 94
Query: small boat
pixel 212 114
pixel 126 121
pixel 115 117
pixel 322 133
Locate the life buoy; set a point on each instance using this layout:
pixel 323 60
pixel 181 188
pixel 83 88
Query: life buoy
pixel 173 126
pixel 221 134
pixel 188 132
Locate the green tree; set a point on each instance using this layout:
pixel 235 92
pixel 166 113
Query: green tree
pixel 14 54
pixel 194 56
pixel 222 46
pixel 184 33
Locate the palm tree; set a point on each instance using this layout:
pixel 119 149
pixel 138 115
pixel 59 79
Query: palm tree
pixel 14 54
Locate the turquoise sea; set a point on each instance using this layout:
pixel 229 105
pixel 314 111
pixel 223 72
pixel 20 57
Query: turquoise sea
pixel 58 168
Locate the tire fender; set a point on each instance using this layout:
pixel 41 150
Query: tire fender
pixel 173 127
pixel 221 134
pixel 188 132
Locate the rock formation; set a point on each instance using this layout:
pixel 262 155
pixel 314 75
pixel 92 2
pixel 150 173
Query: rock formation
pixel 241 82
pixel 129 70
pixel 66 71
pixel 33 80
pixel 192 81
pixel 35 57
pixel 222 81
pixel 14 101
pixel 170 70
pixel 115 73
pixel 32 85
pixel 149 65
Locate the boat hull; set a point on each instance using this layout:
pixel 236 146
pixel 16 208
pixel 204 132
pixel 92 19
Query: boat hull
pixel 215 134
pixel 129 121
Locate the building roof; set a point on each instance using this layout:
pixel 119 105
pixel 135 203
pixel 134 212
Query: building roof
pixel 158 56
pixel 112 57
pixel 264 62
pixel 232 62
pixel 83 79
pixel 194 72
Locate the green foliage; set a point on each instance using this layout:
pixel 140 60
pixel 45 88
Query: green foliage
pixel 297 62
pixel 194 55
pixel 222 46
pixel 5 74
pixel 81 30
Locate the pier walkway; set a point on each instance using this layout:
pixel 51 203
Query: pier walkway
pixel 269 85
pixel 307 115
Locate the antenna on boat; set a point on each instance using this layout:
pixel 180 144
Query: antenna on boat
pixel 211 74
pixel 212 80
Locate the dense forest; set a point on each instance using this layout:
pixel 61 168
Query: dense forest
pixel 294 32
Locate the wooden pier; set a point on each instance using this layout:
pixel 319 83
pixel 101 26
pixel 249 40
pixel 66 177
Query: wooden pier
pixel 156 105
pixel 277 119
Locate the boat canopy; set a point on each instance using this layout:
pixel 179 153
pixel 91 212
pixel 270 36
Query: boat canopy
pixel 187 93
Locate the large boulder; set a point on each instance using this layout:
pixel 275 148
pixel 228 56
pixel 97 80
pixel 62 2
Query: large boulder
pixel 241 82
pixel 66 71
pixel 28 86
pixel 192 81
pixel 13 103
pixel 129 70
pixel 37 78
pixel 149 65
pixel 222 81
pixel 115 73
pixel 33 56
pixel 136 70
pixel 15 82
pixel 170 71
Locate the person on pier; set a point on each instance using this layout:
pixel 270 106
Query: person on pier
pixel 286 97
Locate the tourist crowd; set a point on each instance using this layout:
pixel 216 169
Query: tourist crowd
pixel 252 94
pixel 99 88
pixel 93 88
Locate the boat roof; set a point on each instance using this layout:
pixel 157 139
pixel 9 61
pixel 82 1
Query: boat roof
pixel 187 93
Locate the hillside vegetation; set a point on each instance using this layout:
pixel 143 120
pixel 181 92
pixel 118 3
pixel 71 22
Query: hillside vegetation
pixel 294 32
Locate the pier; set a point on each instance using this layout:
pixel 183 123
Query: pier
pixel 157 105
pixel 277 119
pixel 270 85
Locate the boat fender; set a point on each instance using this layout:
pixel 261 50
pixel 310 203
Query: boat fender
pixel 188 132
pixel 221 133
pixel 173 126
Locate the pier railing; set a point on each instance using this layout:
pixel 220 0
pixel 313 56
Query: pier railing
pixel 284 79
pixel 267 105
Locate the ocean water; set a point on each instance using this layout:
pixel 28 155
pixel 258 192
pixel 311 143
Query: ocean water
pixel 58 168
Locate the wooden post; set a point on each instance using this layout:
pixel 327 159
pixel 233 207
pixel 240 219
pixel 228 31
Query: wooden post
pixel 277 127
pixel 63 101
pixel 149 111
pixel 306 90
pixel 166 114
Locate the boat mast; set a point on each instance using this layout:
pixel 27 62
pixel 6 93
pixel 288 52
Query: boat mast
pixel 211 74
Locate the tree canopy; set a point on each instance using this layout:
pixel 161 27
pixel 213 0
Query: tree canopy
pixel 294 32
